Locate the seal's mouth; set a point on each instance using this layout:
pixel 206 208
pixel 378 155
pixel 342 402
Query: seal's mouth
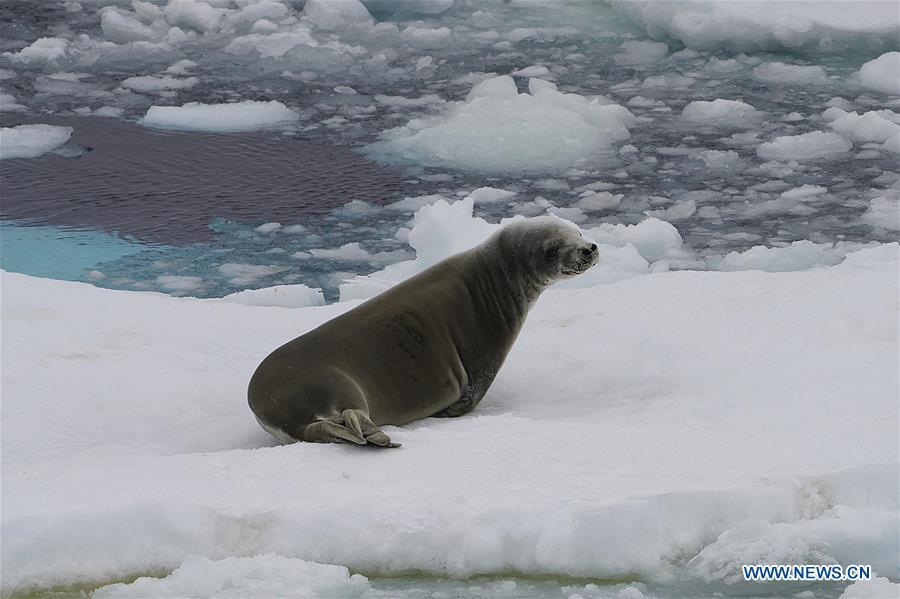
pixel 580 267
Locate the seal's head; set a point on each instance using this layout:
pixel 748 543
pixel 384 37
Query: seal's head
pixel 548 248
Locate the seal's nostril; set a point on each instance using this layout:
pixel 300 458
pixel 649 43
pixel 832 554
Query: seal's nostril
pixel 593 247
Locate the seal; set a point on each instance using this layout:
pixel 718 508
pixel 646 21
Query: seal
pixel 429 346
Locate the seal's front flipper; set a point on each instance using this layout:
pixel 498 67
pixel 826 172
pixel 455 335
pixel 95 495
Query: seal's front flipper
pixel 326 431
pixel 362 425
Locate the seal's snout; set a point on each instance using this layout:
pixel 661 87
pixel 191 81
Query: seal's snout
pixel 589 253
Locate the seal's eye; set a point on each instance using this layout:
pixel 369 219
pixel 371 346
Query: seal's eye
pixel 551 253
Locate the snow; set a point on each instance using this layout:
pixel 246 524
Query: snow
pixel 496 129
pixel 248 115
pixel 789 74
pixel 882 74
pixel 732 113
pixel 752 26
pixel 808 146
pixel 239 577
pixel 151 455
pixel 29 141
pixel 285 296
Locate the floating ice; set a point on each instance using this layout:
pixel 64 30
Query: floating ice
pixel 538 71
pixel 500 130
pixel 808 146
pixel 193 14
pixel 154 84
pixel 101 485
pixel 42 52
pixel 883 212
pixel 799 255
pixel 8 104
pixel 730 113
pixel 331 15
pixel 875 126
pixel 283 296
pixel 179 284
pixel 789 74
pixel 490 194
pixel 243 274
pixel 882 74
pixel 653 238
pixel 641 52
pixel 122 27
pixel 752 26
pixel 239 116
pixel 29 141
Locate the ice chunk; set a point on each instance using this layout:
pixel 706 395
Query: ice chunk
pixel 497 129
pixel 148 83
pixel 122 27
pixel 752 26
pixel 641 52
pixel 283 296
pixel 877 588
pixel 179 284
pixel 882 74
pixel 533 71
pixel 877 126
pixel 331 15
pixel 46 51
pixel 244 274
pixel 239 116
pixel 8 104
pixel 789 74
pixel 731 113
pixel 654 239
pixel 719 159
pixel 490 194
pixel 808 146
pixel 28 141
pixel 267 228
pixel 669 80
pixel 883 212
pixel 427 38
pixel 267 575
pixel 193 14
pixel 677 211
pixel 799 255
pixel 601 200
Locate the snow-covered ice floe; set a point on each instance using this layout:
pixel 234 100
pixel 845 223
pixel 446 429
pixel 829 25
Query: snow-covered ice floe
pixel 683 422
pixel 248 115
pixel 29 141
pixel 497 129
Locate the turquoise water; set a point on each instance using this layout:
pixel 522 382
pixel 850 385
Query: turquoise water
pixel 63 253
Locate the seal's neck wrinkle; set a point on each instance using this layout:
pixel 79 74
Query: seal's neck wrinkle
pixel 508 286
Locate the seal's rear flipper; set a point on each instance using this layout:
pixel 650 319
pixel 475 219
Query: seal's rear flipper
pixel 326 431
pixel 360 423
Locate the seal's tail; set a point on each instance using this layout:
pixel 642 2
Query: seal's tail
pixel 352 426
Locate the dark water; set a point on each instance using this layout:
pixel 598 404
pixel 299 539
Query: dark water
pixel 166 187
